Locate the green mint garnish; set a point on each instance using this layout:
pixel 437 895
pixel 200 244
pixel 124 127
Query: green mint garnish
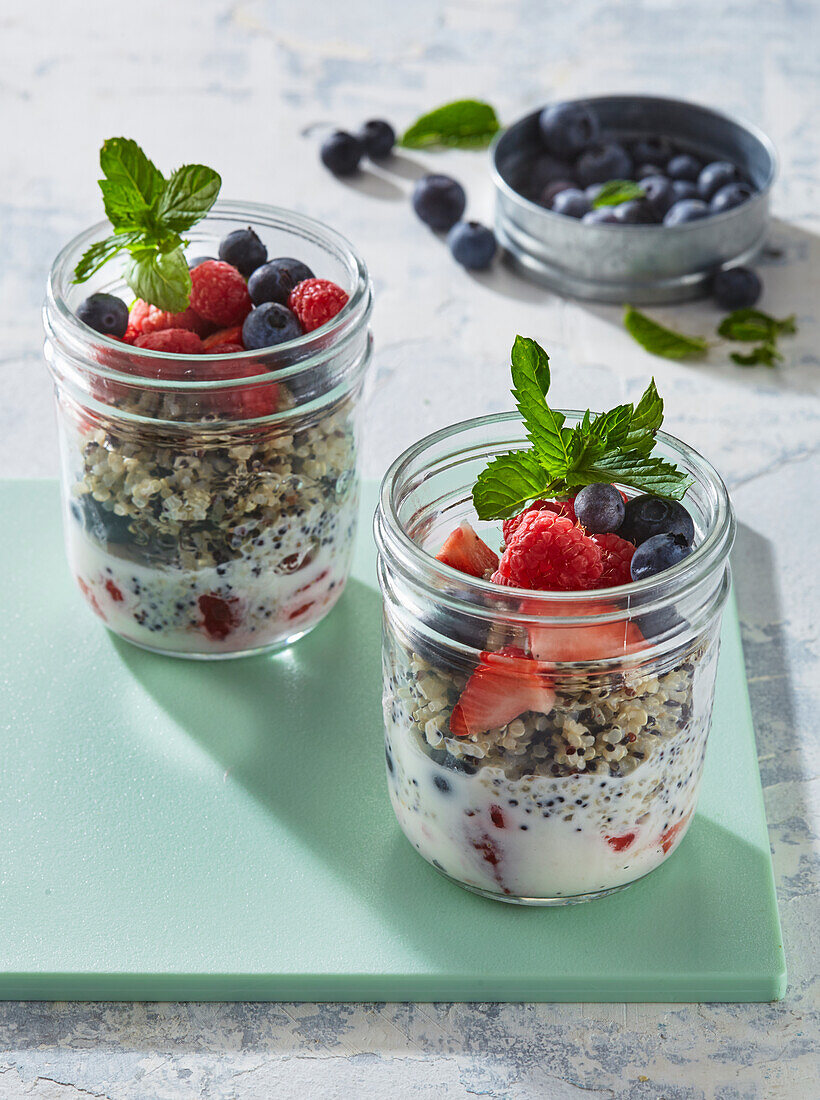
pixel 148 213
pixel 618 191
pixel 765 355
pixel 464 124
pixel 659 340
pixel 753 325
pixel 614 446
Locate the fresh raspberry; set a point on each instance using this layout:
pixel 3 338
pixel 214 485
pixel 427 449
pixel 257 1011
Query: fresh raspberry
pixel 315 302
pixel 616 554
pixel 245 402
pixel 219 293
pixel 147 318
pixel 173 341
pixel 131 334
pixel 561 507
pixel 549 552
pixel 224 336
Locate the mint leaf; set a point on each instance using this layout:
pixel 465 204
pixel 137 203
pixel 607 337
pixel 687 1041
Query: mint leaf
pixel 765 355
pixel 643 472
pixel 659 340
pixel 751 325
pixel 614 192
pixel 188 196
pixel 138 181
pixel 99 254
pixel 508 483
pixel 161 278
pixel 545 427
pixel 464 124
pixel 645 422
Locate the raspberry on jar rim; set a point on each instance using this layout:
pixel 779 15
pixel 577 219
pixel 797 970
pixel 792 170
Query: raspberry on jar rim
pixel 316 301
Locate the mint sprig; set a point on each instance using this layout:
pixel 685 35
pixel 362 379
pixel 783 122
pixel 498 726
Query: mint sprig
pixel 657 339
pixel 614 446
pixel 615 192
pixel 148 215
pixel 463 124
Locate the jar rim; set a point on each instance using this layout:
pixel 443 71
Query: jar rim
pixel 313 347
pixel 421 567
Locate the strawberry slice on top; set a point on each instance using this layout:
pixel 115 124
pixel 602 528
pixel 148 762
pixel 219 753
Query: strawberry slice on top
pixel 467 553
pixel 504 685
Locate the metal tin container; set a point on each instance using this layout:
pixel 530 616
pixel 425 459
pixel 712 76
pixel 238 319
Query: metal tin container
pixel 633 263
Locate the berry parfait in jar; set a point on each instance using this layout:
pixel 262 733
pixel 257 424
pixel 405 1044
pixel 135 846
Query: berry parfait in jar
pixel 207 393
pixel 553 586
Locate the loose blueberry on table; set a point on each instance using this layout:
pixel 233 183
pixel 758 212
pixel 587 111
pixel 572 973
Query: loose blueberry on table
pixel 507 775
pixel 227 538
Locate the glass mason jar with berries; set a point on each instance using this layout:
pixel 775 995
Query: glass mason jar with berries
pixel 544 746
pixel 210 491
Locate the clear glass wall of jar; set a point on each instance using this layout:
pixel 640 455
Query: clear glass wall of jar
pixel 596 784
pixel 210 502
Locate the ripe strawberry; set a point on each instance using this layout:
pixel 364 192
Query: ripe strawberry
pixel 581 642
pixel 504 685
pixel 616 554
pixel 219 293
pixel 315 302
pixel 547 551
pixel 465 551
pixel 247 402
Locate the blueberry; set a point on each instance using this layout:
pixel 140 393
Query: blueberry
pixel 604 215
pixel 567 128
pixel 658 553
pixel 684 189
pixel 104 313
pixel 659 194
pixel 341 153
pixel 714 176
pixel 634 212
pixel 605 161
pixel 736 288
pixel 472 245
pixel 593 191
pixel 439 201
pixel 685 210
pixel 273 282
pixel 269 324
pixel 648 515
pixel 644 171
pixel 378 138
pixel 684 167
pixel 730 196
pixel 388 756
pixel 571 202
pixel 243 249
pixel 442 784
pixel 545 170
pixel 600 507
pixel 197 260
pixel 446 759
pixel 555 188
pixel 102 524
pixel 653 150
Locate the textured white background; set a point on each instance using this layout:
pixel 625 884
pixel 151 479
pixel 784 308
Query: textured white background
pixel 236 85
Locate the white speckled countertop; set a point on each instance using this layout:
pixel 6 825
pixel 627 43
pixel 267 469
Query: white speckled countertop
pixel 235 84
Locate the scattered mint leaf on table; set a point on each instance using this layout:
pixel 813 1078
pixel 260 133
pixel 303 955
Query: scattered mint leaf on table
pixel 751 325
pixel 463 124
pixel 765 355
pixel 659 340
pixel 148 213
pixel 614 446
pixel 617 191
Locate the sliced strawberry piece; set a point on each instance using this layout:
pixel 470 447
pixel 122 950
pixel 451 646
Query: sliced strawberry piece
pixel 466 552
pixel 620 843
pixel 223 336
pixel 574 642
pixel 504 685
pixel 670 837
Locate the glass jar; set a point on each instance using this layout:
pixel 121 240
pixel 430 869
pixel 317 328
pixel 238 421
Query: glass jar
pixel 595 784
pixel 210 502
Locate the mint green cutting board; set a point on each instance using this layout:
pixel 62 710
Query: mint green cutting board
pixel 174 830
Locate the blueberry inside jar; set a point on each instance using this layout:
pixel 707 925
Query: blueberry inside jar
pixel 210 483
pixel 546 716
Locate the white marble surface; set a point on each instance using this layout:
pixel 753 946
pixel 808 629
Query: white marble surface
pixel 235 84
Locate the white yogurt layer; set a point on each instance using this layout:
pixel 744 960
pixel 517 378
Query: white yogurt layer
pixel 270 594
pixel 539 836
